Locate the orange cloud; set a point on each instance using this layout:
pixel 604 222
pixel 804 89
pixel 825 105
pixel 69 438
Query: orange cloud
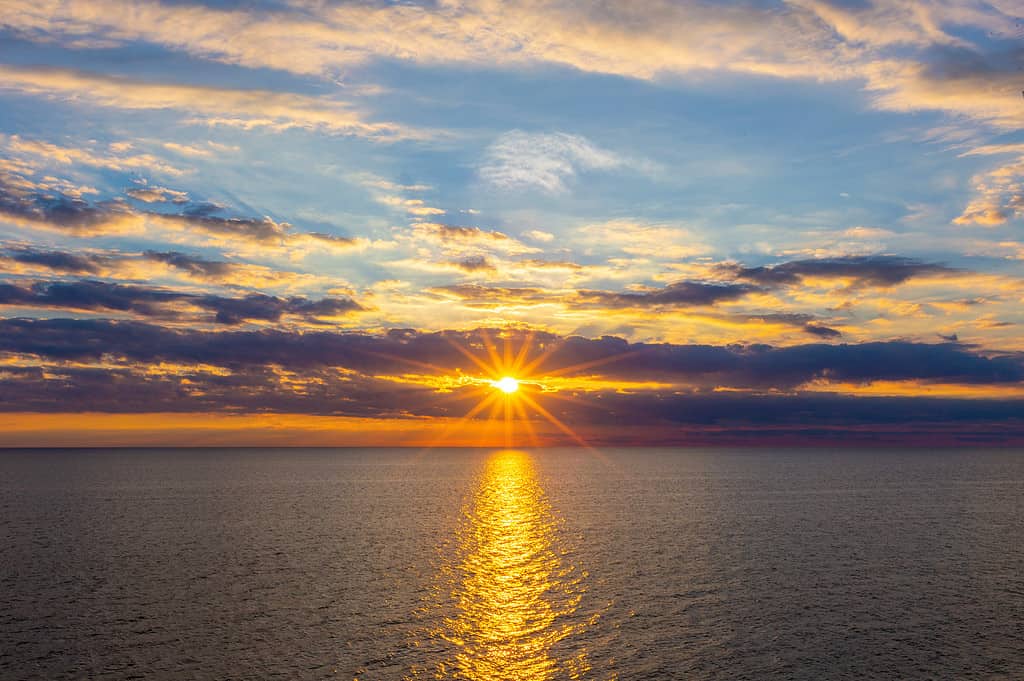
pixel 214 106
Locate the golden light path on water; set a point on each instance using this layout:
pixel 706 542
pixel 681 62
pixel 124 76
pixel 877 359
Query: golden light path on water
pixel 515 596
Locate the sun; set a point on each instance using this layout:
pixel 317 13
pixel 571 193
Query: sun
pixel 509 382
pixel 506 384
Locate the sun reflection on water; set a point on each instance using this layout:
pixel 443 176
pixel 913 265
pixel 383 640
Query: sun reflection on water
pixel 514 591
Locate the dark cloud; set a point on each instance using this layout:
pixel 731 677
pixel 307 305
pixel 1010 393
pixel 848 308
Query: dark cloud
pixel 59 261
pixel 253 390
pixel 332 239
pixel 867 270
pixel 258 306
pixel 653 417
pixel 474 263
pixel 193 265
pixel 255 229
pixel 805 322
pixel 54 209
pixel 739 366
pixel 822 331
pixel 90 295
pixel 155 302
pixel 682 293
pixel 794 410
pixel 202 208
pixel 20 202
pixel 298 372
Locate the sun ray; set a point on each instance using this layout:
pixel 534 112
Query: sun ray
pixel 509 378
pixel 506 347
pixel 495 421
pixel 547 352
pixel 592 363
pixel 480 406
pixel 476 360
pixel 492 351
pixel 593 451
pixel 406 360
pixel 557 423
pixel 524 419
pixel 575 399
pixel 524 350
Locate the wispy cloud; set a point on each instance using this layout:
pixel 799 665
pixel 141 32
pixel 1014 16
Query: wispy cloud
pixel 210 105
pixel 886 45
pixel 118 156
pixel 547 162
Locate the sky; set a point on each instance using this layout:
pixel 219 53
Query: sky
pixel 295 222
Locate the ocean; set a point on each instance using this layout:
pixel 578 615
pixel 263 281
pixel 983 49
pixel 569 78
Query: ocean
pixel 602 564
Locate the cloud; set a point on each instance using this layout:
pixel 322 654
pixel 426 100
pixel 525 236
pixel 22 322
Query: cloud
pixel 963 82
pixel 227 273
pixel 903 53
pixel 207 269
pixel 598 39
pixel 805 322
pixel 681 293
pixel 474 263
pixel 23 203
pixel 467 239
pixel 26 206
pixel 411 206
pixel 115 158
pixel 999 196
pixel 258 306
pixel 372 181
pixel 214 106
pixel 476 295
pixel 22 259
pixel 654 417
pixel 92 295
pixel 61 365
pixel 59 261
pixel 519 160
pixel 862 270
pixel 642 239
pixel 994 150
pixel 821 331
pixel 736 366
pixel 886 23
pixel 154 194
pixel 539 235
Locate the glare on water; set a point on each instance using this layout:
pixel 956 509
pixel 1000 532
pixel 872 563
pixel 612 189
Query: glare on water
pixel 515 596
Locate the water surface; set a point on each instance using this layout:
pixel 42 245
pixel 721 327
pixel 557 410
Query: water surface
pixel 537 564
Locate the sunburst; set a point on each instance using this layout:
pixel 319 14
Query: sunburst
pixel 506 384
pixel 510 383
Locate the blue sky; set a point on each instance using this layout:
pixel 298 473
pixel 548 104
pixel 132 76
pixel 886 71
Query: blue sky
pixel 780 174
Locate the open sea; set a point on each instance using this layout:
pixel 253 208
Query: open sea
pixel 400 564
